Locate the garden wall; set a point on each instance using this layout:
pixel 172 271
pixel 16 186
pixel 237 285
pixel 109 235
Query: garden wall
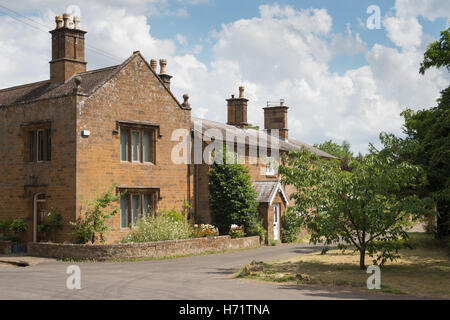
pixel 158 249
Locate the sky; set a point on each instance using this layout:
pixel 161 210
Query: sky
pixel 341 78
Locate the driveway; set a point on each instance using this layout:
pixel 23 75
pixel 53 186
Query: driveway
pixel 200 277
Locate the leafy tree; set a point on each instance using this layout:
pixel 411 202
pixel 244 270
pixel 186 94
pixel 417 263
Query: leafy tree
pixel 362 207
pixel 232 197
pixel 92 226
pixel 341 151
pixel 437 54
pixel 291 226
pixel 427 140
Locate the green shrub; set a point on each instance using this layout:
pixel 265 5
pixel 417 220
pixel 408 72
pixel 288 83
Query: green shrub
pixel 4 225
pixel 51 223
pixel 232 197
pixel 159 228
pixel 257 229
pixel 92 226
pixel 237 233
pixel 174 214
pixel 18 226
pixel 291 226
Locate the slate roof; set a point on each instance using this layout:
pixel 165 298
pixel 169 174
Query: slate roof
pixel 90 82
pixel 251 136
pixel 267 190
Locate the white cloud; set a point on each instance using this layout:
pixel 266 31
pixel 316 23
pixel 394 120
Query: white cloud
pixel 182 40
pixel 282 53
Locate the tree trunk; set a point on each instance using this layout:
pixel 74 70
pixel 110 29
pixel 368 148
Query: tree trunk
pixel 362 258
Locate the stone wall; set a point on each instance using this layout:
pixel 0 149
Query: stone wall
pixel 5 247
pixel 139 250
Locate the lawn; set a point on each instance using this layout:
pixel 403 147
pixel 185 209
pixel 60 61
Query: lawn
pixel 421 271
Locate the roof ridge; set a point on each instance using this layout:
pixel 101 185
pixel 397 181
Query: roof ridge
pixel 24 85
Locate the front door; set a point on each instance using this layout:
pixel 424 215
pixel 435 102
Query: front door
pixel 40 213
pixel 276 221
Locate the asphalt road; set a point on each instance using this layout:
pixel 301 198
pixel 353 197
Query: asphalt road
pixel 200 277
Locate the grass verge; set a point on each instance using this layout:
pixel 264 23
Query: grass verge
pixel 422 271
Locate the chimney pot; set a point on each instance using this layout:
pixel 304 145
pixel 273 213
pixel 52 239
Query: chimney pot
pixel 154 64
pixel 162 65
pixel 77 23
pixel 162 73
pixel 241 92
pixel 186 103
pixel 66 18
pixel 59 22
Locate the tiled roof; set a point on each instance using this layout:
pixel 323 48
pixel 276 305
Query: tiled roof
pixel 252 137
pixel 267 190
pixel 90 81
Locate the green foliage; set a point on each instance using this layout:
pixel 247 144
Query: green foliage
pixel 291 226
pixel 257 229
pixel 237 233
pixel 341 151
pixel 159 228
pixel 232 197
pixel 250 126
pixel 427 141
pixel 437 54
pixel 92 225
pixel 363 207
pixel 4 225
pixel 51 224
pixel 174 214
pixel 18 226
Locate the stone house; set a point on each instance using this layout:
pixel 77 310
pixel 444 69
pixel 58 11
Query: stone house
pixel 258 149
pixel 65 140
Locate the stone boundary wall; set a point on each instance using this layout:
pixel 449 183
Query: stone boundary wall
pixel 102 252
pixel 5 247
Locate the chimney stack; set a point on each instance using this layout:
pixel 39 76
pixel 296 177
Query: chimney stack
pixel 68 56
pixel 275 118
pixel 237 110
pixel 162 73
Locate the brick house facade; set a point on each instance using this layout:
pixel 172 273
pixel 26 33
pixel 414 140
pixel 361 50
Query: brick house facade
pixel 60 140
pixel 65 140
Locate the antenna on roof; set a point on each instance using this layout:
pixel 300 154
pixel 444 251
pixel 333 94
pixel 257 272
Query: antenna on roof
pixel 276 103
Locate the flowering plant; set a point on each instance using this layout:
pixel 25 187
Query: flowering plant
pixel 204 230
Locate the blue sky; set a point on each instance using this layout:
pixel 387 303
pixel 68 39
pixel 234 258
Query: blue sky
pixel 341 80
pixel 202 19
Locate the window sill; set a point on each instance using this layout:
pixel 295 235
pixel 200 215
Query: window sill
pixel 138 163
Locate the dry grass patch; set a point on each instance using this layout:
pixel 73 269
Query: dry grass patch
pixel 422 271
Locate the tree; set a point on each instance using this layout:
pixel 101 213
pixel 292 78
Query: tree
pixel 427 139
pixel 92 226
pixel 362 207
pixel 437 54
pixel 341 151
pixel 232 197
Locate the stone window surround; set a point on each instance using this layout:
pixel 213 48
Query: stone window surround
pixel 141 191
pixel 36 127
pixel 140 127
